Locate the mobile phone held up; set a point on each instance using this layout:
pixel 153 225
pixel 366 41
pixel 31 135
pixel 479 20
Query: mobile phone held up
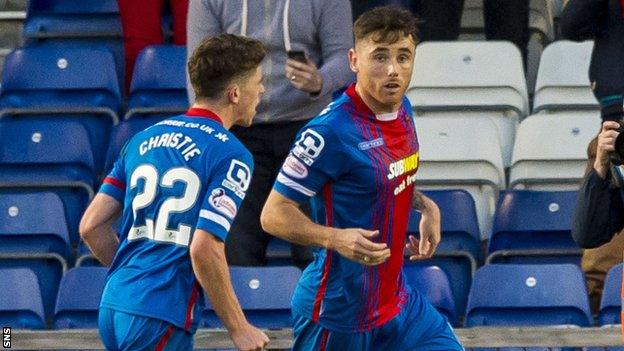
pixel 297 55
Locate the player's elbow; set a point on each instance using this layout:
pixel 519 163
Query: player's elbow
pixel 205 246
pixel 268 219
pixel 87 227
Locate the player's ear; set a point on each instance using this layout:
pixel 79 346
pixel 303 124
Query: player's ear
pixel 353 60
pixel 233 94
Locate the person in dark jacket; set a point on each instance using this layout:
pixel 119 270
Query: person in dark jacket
pixel 603 22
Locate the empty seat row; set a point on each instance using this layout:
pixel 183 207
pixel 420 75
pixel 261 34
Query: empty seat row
pixel 501 295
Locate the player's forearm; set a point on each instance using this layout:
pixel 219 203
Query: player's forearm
pixel 103 242
pixel 210 267
pixel 424 205
pixel 286 221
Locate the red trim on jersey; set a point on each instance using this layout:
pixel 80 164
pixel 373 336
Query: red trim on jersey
pixel 329 220
pixel 115 182
pixel 622 14
pixel 324 338
pixel 359 104
pixel 165 338
pixel 205 113
pixel 190 306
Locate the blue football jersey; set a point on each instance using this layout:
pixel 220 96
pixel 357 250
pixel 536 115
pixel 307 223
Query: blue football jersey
pixel 359 172
pixel 182 174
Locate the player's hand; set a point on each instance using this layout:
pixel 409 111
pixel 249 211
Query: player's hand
pixel 356 244
pixel 429 235
pixel 249 338
pixel 304 76
pixel 606 144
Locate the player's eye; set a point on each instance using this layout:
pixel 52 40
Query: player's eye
pixel 381 57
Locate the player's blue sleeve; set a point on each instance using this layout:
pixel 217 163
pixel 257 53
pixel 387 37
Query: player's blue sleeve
pixel 115 183
pixel 229 180
pixel 316 158
pixel 408 107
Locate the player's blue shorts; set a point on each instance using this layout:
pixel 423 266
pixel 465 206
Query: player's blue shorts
pixel 124 331
pixel 419 326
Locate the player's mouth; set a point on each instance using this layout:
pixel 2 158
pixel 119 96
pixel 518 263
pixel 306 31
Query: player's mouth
pixel 392 86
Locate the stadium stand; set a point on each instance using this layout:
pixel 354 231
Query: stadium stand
pixel 264 294
pixel 91 24
pixel 433 283
pixel 611 303
pixel 459 250
pixel 20 302
pixel 472 84
pixel 562 80
pixel 158 88
pixel 61 83
pixel 38 156
pixel 531 295
pixel 79 297
pixel 462 153
pixel 33 223
pixel 550 153
pixel 534 227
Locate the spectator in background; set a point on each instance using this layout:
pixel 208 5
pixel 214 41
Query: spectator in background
pixel 603 22
pixel 503 19
pixel 295 91
pixel 142 26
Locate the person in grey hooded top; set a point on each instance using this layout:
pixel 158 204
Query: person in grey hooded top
pixel 295 91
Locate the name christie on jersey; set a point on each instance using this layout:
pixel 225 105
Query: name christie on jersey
pixel 178 141
pixel 406 165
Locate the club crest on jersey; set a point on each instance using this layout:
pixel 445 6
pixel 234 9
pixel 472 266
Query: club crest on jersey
pixel 294 168
pixel 221 202
pixel 309 146
pixel 238 178
pixel 371 144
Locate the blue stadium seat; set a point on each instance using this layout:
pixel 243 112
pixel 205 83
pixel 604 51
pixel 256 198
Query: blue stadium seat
pixel 159 83
pixel 264 294
pixel 433 283
pixel 85 257
pixel 460 245
pixel 20 301
pixel 70 23
pixel 611 303
pixel 79 297
pixel 33 223
pixel 534 227
pixel 278 252
pixel 36 156
pixel 460 228
pixel 61 83
pixel 528 295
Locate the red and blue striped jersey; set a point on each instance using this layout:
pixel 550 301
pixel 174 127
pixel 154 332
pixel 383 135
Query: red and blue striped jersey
pixel 184 173
pixel 359 172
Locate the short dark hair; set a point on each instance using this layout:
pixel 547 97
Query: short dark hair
pixel 387 24
pixel 220 59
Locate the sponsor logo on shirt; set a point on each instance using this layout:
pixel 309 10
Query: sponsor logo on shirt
pixel 366 145
pixel 403 166
pixel 221 202
pixel 238 178
pixel 309 146
pixel 294 168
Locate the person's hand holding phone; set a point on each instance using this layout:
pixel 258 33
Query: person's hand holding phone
pixel 302 73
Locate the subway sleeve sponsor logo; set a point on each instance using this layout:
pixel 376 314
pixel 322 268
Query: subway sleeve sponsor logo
pixel 403 166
